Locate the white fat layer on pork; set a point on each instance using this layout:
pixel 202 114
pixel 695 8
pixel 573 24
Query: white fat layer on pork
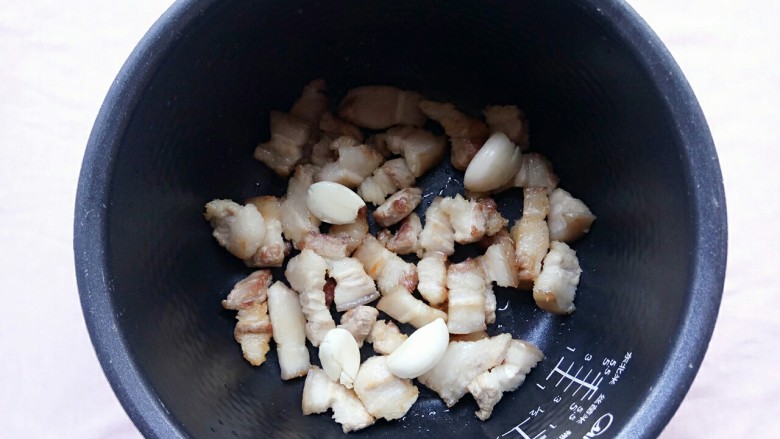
pixel 383 394
pixel 556 286
pixel 321 394
pixel 306 274
pixel 462 362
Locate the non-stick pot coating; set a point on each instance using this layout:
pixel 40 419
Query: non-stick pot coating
pixel 605 102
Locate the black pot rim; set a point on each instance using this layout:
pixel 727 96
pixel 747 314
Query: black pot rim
pixel 92 210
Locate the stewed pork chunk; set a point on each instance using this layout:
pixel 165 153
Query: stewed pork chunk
pixel 569 217
pixel 437 234
pixel 498 262
pixel 556 286
pixel 462 362
pixel 353 165
pixel 399 304
pixel 297 221
pixel 385 267
pixel 378 107
pixel 467 135
pixel 253 330
pixel 320 393
pixel 508 119
pixel 289 136
pixel 488 387
pixel 531 235
pixel 472 219
pixel 404 240
pixel 353 286
pixel 273 249
pixel 335 127
pixel 467 288
pixel 420 149
pixel 284 308
pixel 398 206
pixel 240 229
pixel 387 179
pixel 383 394
pixel 351 234
pixel 432 276
pixel 359 322
pixel 312 104
pixel 306 274
pixel 385 337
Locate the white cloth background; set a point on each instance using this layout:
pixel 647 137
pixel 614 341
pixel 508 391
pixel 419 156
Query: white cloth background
pixel 57 60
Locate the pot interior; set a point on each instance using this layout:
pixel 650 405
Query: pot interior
pixel 593 108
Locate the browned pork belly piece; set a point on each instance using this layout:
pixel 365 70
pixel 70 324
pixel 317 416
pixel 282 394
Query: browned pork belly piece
pixel 488 387
pixel 378 141
pixel 321 152
pixel 359 322
pixel 404 241
pixel 494 222
pixel 312 104
pixel 249 291
pixel 384 266
pixel 378 107
pixel 353 286
pixel 420 149
pixel 398 206
pixel 432 276
pixel 253 332
pixel 306 274
pixel 336 127
pixel 467 297
pixel 273 249
pixel 437 234
pixel 498 262
pixel 399 304
pixel 289 135
pixel 297 221
pixel 327 246
pixel 556 286
pixel 253 329
pixel 321 394
pixel 386 179
pixel 284 308
pixel 240 229
pixel 351 234
pixel 569 217
pixel 531 235
pixel 535 171
pixel 462 362
pixel 510 120
pixel 467 134
pixel 383 394
pixel 385 337
pixel 472 219
pixel 353 165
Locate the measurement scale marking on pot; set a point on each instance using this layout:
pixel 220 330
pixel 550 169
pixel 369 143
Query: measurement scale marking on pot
pixel 523 434
pixel 578 414
pixel 592 386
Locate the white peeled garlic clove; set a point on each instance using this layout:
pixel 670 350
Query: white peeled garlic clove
pixel 340 356
pixel 421 351
pixel 333 203
pixel 494 165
